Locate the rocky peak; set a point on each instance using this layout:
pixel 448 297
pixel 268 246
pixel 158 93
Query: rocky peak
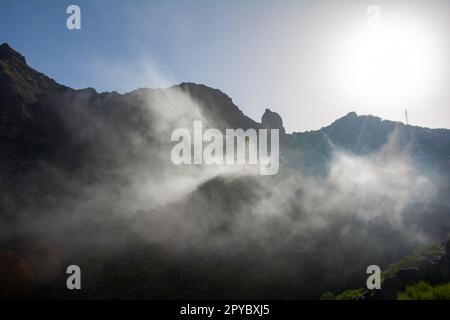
pixel 20 81
pixel 218 106
pixel 272 120
pixel 9 54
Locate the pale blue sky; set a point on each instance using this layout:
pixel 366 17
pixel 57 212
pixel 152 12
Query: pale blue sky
pixel 278 54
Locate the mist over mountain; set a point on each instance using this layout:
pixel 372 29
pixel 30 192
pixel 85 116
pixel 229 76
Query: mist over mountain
pixel 86 179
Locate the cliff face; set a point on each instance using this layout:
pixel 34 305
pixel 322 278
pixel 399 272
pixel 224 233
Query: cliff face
pixel 26 125
pixel 21 85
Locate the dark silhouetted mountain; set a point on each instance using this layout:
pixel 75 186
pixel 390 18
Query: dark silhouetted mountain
pixel 66 155
pixel 218 106
pixel 35 113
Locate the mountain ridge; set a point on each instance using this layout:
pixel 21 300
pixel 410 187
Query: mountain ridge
pixel 91 173
pixel 8 54
pixel 35 111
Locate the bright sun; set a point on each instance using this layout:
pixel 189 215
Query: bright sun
pixel 386 63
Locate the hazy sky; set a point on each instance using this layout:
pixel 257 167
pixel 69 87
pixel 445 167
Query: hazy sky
pixel 311 61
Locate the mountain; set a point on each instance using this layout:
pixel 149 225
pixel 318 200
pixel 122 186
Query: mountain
pixel 87 179
pixel 42 119
pixel 34 110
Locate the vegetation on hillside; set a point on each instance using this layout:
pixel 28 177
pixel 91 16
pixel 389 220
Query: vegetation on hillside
pixel 425 291
pixel 418 291
pixel 416 260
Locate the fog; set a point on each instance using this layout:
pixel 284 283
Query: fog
pixel 294 234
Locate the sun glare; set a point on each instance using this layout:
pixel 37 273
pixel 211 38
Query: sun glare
pixel 386 62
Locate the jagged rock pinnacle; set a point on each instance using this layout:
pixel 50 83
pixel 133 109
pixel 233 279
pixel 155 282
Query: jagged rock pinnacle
pixel 272 120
